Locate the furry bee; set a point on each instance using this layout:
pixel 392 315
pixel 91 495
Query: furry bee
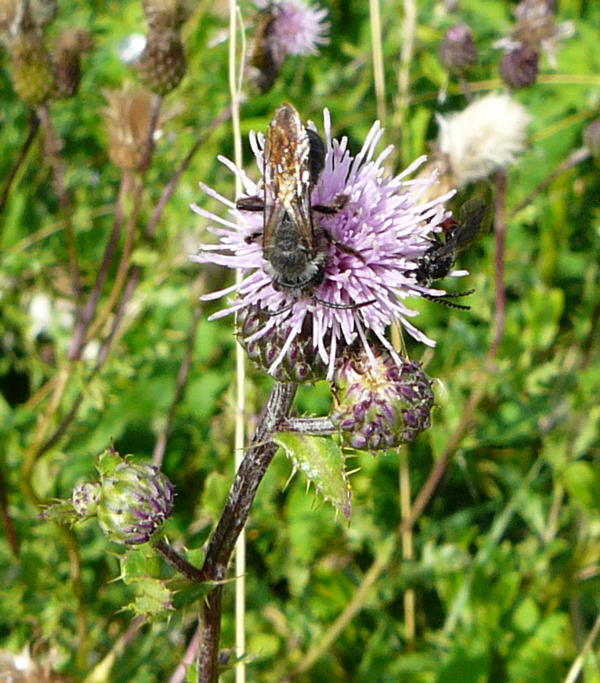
pixel 474 221
pixel 294 249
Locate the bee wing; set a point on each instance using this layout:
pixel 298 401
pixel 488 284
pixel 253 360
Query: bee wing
pixel 475 220
pixel 287 174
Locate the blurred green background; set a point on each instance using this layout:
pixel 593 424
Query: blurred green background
pixel 505 571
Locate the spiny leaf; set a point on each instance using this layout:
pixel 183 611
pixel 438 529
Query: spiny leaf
pixel 322 461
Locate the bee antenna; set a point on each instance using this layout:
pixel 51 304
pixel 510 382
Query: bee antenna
pixel 279 311
pixel 445 302
pixel 343 307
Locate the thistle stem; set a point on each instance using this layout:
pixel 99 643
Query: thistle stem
pixel 500 233
pixel 232 521
pixel 53 146
pixel 178 561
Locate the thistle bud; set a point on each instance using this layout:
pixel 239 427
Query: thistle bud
pixel 267 55
pixel 85 498
pixel 167 14
pixel 162 64
pixel 72 43
pixel 301 361
pixel 135 499
pixel 128 117
pixel 519 68
pixel 383 404
pixel 591 137
pixel 458 52
pixel 32 75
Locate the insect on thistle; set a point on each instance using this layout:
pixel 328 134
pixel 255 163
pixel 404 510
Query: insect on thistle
pixel 294 248
pixel 474 220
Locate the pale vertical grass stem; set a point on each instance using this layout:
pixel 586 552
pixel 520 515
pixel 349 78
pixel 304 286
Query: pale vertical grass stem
pixel 240 547
pixel 403 101
pixel 407 544
pixel 377 48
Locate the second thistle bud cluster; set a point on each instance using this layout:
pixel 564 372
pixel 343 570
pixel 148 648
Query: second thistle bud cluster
pixel 380 403
pixel 131 500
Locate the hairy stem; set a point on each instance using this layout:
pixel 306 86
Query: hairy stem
pixel 53 147
pixel 210 634
pixel 234 516
pixel 78 341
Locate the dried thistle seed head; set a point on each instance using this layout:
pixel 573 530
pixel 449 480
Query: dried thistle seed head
pixel 128 118
pixel 484 137
pixel 71 44
pixel 457 51
pixel 591 137
pixel 167 14
pixel 85 498
pixel 519 68
pixel 270 351
pixel 162 64
pixel 380 403
pixel 32 75
pixel 135 499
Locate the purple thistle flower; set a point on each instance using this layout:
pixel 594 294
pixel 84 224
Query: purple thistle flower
pixel 378 237
pixel 297 29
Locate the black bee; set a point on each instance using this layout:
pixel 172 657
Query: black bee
pixel 474 221
pixel 294 249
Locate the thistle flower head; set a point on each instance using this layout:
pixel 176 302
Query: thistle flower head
pixel 458 51
pixel 380 404
pixel 536 29
pixel 297 29
pixel 375 242
pixel 519 68
pixel 486 136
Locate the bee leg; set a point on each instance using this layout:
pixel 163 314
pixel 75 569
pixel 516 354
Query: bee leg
pixel 253 236
pixel 254 203
pixel 342 247
pixel 339 202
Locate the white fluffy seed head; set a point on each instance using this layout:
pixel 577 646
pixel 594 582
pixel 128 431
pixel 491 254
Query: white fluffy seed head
pixel 486 136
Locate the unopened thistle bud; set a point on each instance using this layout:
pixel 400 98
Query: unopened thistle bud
pixel 128 117
pixel 162 64
pixel 300 361
pixel 458 52
pixel 85 498
pixel 591 137
pixel 383 404
pixel 519 68
pixel 72 43
pixel 135 499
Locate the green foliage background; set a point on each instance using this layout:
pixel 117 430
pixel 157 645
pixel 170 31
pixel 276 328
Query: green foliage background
pixel 506 568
